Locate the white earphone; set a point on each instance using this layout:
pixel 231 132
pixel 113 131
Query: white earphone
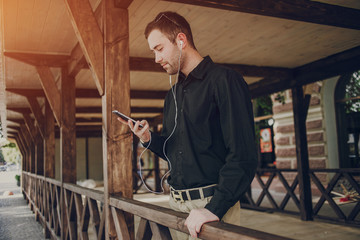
pixel 181 43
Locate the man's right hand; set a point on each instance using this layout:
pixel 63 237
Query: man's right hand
pixel 142 133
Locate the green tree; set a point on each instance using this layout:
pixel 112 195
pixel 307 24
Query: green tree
pixel 352 93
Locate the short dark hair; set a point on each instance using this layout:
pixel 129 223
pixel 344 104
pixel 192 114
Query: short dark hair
pixel 170 24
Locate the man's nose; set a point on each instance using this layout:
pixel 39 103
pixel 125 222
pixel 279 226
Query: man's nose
pixel 158 58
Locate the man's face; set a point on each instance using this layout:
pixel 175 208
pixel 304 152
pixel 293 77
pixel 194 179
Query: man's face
pixel 166 53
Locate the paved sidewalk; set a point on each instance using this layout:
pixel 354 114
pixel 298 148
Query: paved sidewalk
pixel 17 221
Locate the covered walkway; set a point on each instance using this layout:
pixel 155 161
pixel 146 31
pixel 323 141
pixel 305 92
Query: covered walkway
pixel 17 221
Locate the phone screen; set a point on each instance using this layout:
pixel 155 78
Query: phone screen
pixel 123 116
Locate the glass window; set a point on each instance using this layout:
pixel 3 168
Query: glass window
pixel 347 100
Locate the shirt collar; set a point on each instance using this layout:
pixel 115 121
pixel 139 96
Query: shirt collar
pixel 199 71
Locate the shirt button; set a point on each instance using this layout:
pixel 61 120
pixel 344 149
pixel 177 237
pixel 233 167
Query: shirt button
pixel 180 152
pixel 181 110
pixel 184 90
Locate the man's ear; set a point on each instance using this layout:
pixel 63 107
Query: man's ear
pixel 181 40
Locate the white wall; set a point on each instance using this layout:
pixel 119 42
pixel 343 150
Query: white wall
pixel 328 93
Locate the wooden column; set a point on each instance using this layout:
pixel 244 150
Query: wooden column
pixel 39 164
pixel 67 139
pixel 117 138
pixel 26 157
pixel 49 142
pixel 299 107
pixel 23 151
pixel 31 148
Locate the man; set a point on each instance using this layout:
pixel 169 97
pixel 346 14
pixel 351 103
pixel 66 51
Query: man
pixel 208 128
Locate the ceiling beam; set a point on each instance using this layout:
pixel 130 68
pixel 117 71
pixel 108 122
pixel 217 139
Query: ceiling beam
pixel 334 65
pixel 299 10
pixel 89 36
pixel 90 110
pixel 149 65
pixel 90 93
pixel 76 62
pixel 39 116
pixel 123 3
pixel 52 93
pixel 38 59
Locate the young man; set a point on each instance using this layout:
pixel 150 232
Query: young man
pixel 208 128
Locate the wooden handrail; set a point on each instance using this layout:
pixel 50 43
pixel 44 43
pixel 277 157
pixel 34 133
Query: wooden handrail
pixel 91 193
pixel 175 220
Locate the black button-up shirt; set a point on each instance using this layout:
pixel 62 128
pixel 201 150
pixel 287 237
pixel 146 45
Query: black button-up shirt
pixel 213 142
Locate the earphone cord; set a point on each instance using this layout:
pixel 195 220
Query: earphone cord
pixel 173 90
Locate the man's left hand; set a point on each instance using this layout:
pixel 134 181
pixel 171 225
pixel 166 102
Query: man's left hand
pixel 197 218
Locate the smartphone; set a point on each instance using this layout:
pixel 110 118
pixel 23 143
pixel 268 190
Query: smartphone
pixel 123 116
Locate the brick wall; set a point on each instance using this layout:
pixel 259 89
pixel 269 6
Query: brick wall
pixel 284 135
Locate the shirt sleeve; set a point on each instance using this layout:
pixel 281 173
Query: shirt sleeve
pixel 237 125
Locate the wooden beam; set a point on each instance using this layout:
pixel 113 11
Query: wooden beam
pixel 334 65
pixel 16 120
pixel 37 157
pixel 141 94
pixel 27 92
pixel 90 93
pixel 90 38
pixel 117 138
pixel 77 61
pixel 68 129
pixel 144 65
pixel 51 91
pixel 36 110
pixel 149 65
pixel 123 3
pixel 337 64
pixel 37 59
pixel 49 142
pixel 299 10
pixel 30 148
pixel 302 154
pixel 67 141
pixel 29 123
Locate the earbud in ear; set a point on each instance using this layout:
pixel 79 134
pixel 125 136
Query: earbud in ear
pixel 181 43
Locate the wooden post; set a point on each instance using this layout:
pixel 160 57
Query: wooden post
pixel 49 155
pixel 302 153
pixel 117 138
pixel 39 170
pixel 31 148
pixel 49 142
pixel 26 156
pixel 67 140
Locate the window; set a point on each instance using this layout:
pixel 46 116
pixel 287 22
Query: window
pixel 347 104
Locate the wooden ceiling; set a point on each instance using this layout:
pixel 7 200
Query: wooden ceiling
pixel 274 44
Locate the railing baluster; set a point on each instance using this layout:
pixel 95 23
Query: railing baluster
pixel 144 231
pixel 120 223
pixel 84 223
pixel 94 214
pixel 325 195
pixel 159 231
pixel 289 191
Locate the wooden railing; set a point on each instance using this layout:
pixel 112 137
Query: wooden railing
pixel 84 215
pixel 282 194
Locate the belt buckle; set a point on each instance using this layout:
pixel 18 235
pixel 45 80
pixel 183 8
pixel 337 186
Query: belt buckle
pixel 177 196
